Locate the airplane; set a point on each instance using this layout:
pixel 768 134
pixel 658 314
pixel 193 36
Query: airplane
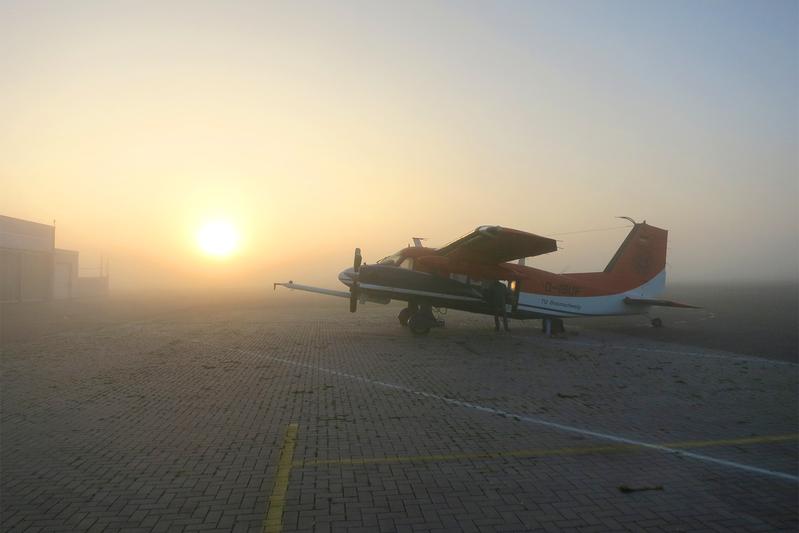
pixel 455 277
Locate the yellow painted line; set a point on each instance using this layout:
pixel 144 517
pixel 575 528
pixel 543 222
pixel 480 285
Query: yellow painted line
pixel 541 452
pixel 273 521
pixel 731 442
pixel 464 456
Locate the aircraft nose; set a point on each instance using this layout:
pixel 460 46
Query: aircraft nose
pixel 347 276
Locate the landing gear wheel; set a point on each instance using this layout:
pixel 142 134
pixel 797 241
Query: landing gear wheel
pixel 656 323
pixel 419 324
pixel 553 326
pixel 404 316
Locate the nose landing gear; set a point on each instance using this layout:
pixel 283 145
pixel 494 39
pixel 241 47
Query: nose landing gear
pixel 406 314
pixel 420 320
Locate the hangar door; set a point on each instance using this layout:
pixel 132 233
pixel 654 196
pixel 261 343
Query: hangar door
pixel 62 281
pixel 9 276
pixel 36 272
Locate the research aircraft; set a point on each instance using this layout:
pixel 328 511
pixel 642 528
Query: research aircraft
pixel 455 277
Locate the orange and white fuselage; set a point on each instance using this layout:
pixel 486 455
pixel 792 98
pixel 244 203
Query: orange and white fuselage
pixel 456 275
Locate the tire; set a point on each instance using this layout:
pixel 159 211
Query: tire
pixel 419 324
pixel 657 323
pixel 403 316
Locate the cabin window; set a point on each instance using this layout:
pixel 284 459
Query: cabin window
pixel 407 263
pixel 475 282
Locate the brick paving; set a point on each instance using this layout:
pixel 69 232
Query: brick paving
pixel 176 423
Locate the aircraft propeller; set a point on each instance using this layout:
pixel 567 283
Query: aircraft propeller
pixel 354 289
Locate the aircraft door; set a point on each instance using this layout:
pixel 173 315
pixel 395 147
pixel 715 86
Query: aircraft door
pixel 513 285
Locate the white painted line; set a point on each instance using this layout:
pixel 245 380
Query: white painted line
pixel 535 420
pixel 680 352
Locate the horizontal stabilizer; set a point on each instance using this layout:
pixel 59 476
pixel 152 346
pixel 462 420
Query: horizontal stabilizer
pixel 308 288
pixel 659 303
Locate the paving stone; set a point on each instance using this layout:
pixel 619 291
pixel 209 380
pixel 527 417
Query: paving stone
pixel 176 423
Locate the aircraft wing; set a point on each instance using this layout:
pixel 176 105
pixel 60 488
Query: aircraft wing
pixel 308 288
pixel 495 244
pixel 657 302
pixel 365 295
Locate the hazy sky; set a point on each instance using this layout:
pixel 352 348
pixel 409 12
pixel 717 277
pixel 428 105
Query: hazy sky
pixel 315 128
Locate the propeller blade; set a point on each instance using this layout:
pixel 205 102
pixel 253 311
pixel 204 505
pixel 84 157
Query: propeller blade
pixel 353 301
pixel 356 266
pixel 354 295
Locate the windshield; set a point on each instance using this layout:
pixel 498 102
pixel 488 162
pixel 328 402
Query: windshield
pixel 391 260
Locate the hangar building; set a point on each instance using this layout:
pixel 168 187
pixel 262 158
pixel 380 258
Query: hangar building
pixel 33 269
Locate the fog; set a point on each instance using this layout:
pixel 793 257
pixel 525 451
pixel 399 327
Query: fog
pixel 316 128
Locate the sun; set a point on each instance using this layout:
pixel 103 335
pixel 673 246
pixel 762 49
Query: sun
pixel 218 238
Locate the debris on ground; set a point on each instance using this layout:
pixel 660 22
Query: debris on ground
pixel 625 489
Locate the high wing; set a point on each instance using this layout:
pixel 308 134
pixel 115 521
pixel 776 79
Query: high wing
pixel 495 244
pixel 657 302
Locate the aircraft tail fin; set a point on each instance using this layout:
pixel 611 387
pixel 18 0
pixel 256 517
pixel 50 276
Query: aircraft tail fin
pixel 641 257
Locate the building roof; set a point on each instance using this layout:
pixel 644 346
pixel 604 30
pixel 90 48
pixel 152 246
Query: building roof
pixel 19 234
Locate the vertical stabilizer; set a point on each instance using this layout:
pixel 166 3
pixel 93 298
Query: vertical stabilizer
pixel 641 257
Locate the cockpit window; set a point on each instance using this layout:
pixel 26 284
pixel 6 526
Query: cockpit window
pixel 407 263
pixel 391 260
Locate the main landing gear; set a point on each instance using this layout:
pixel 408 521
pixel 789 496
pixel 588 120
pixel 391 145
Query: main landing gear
pixel 419 319
pixel 552 326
